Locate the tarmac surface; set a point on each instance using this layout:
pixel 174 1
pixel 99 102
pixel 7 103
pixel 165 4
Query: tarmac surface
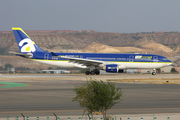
pixel 48 94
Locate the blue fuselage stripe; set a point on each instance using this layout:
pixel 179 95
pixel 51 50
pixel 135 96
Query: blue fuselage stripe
pixel 109 57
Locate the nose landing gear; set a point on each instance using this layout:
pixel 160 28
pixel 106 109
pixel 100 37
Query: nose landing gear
pixel 154 72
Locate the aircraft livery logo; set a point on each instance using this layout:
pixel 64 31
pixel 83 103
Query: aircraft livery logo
pixel 29 47
pixel 143 57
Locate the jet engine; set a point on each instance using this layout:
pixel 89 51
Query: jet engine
pixel 114 68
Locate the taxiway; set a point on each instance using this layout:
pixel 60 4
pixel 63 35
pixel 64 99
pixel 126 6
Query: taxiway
pixel 48 94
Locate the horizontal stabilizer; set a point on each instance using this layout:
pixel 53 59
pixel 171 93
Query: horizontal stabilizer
pixel 27 55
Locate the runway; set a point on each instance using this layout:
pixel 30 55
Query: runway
pixel 107 76
pixel 45 97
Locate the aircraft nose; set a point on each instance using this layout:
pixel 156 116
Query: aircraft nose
pixel 170 62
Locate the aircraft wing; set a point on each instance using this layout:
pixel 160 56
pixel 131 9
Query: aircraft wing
pixel 85 62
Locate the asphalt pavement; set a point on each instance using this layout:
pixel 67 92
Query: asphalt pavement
pixel 45 97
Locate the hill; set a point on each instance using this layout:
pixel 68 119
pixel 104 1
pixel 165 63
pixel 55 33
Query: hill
pixel 81 40
pixel 148 47
pixel 162 43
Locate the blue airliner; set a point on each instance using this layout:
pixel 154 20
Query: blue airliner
pixel 109 62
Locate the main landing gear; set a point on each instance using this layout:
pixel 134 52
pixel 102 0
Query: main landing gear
pixel 92 72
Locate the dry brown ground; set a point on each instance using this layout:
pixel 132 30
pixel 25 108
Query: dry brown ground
pixel 81 77
pixel 150 80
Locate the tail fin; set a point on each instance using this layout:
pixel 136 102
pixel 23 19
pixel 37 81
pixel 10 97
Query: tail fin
pixel 25 44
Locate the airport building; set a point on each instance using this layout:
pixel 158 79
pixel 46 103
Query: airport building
pixel 144 71
pixel 57 71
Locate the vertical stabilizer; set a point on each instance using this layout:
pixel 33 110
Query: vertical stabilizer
pixel 25 44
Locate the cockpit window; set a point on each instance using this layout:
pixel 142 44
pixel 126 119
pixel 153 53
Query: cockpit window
pixel 165 59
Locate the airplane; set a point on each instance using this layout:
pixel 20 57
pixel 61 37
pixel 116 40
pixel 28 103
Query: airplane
pixel 94 62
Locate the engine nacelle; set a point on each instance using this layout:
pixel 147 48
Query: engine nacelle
pixel 113 68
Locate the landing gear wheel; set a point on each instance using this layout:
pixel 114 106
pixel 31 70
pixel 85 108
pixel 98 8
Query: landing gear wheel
pixel 87 72
pixel 153 73
pixel 97 72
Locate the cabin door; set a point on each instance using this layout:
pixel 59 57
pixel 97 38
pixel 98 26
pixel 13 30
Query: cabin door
pixel 46 56
pixel 155 58
pixel 131 58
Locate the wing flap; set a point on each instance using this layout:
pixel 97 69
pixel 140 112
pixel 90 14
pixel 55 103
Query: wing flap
pixel 86 62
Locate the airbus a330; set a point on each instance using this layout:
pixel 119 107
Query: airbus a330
pixel 109 62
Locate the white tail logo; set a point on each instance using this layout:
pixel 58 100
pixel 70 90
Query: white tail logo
pixel 29 47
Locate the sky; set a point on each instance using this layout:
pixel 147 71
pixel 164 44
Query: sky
pixel 121 16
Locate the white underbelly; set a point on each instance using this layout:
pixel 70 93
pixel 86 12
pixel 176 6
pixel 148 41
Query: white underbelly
pixel 63 64
pixel 134 65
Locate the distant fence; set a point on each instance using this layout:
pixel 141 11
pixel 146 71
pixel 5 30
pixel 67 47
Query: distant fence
pixel 82 118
